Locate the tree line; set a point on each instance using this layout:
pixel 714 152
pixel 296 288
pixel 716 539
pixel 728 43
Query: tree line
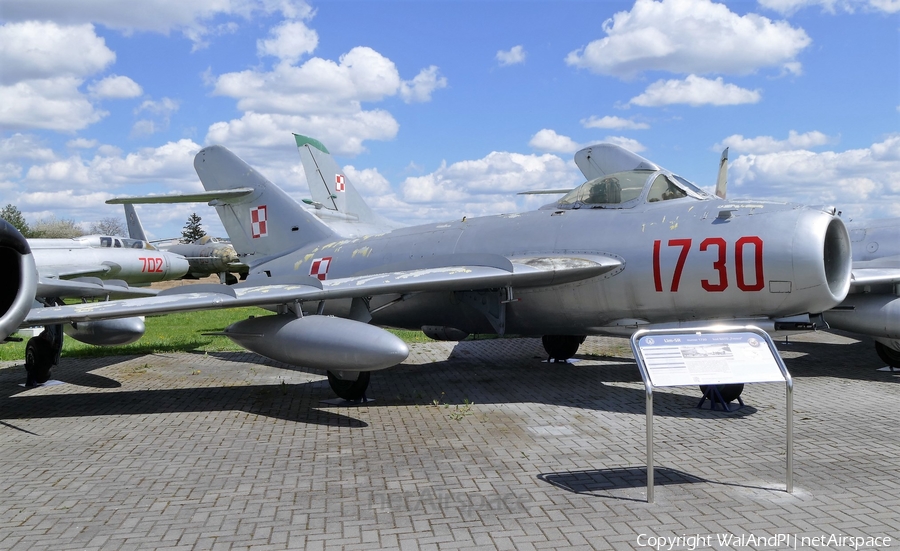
pixel 61 228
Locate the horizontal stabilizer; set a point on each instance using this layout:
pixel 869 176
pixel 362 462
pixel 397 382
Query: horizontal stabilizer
pixel 546 192
pixel 205 197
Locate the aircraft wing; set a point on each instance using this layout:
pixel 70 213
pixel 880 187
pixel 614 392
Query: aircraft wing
pixel 874 272
pixel 448 273
pixel 69 272
pixel 86 287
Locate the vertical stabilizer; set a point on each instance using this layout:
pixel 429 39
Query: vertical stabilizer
pixel 722 179
pixel 135 229
pixel 334 197
pixel 266 222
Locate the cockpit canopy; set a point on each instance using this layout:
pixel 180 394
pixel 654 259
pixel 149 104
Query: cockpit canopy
pixel 626 189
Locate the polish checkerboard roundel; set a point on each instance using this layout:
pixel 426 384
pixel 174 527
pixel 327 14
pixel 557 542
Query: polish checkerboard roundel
pixel 339 182
pixel 319 268
pixel 259 221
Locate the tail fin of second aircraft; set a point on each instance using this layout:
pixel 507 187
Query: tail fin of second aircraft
pixel 135 228
pixel 262 222
pixel 332 191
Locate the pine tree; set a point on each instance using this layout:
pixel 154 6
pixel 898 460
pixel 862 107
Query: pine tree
pixel 192 230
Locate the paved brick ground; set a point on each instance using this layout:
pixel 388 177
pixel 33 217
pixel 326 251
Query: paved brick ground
pixel 472 445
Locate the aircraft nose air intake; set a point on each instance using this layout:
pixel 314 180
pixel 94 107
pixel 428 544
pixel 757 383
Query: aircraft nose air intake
pixel 822 260
pixel 17 295
pixel 837 260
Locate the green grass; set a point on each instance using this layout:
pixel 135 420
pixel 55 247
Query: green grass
pixel 173 333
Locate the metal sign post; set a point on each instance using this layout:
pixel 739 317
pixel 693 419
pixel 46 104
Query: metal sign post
pixel 717 355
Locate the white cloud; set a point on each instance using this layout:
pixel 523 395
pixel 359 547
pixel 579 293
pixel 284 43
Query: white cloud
pixel 695 91
pixel 76 187
pixel 549 141
pixel 854 181
pixel 42 49
pixel 164 107
pixel 688 36
pixel 767 144
pixel 788 7
pixel 419 89
pixel 318 86
pixel 320 97
pixel 81 143
pixel 513 56
pixel 145 127
pixel 24 146
pixel 44 64
pixel 195 19
pixel 615 123
pixel 344 133
pixel 889 6
pixel 171 162
pixel 160 110
pixel 115 87
pixel 368 181
pixel 53 104
pixel 498 173
pixel 289 41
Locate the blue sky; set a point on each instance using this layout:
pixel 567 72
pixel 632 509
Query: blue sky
pixel 439 109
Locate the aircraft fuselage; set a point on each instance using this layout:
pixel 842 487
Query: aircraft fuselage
pixel 693 259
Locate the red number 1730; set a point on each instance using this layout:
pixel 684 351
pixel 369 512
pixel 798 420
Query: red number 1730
pixel 719 264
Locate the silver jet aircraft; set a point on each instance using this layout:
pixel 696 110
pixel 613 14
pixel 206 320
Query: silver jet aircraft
pixel 106 257
pixel 49 270
pixel 873 308
pixel 205 256
pixel 334 199
pixel 635 246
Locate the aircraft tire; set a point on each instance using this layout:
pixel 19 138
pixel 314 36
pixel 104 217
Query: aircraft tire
pixel 888 355
pixel 729 393
pixel 352 391
pixel 561 347
pixel 38 360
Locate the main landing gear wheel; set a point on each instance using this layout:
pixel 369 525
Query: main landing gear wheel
pixel 729 393
pixel 38 361
pixel 888 355
pixel 561 347
pixel 352 390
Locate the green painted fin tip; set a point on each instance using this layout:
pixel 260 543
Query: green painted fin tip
pixel 303 140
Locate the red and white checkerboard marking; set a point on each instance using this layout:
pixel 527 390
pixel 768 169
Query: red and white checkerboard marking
pixel 259 221
pixel 319 268
pixel 339 182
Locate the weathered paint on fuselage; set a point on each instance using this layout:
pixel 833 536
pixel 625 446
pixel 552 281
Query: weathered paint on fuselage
pixel 682 261
pixel 136 266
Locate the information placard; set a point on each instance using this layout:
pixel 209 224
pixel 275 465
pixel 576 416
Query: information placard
pixel 680 359
pixel 718 355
